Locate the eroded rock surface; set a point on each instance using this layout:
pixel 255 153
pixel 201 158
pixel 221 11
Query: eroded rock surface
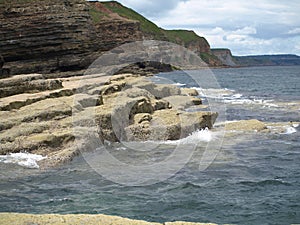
pixel 57 121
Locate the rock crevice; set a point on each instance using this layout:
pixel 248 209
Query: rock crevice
pixel 57 123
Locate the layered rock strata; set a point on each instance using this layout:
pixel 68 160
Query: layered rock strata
pixel 53 36
pixel 51 116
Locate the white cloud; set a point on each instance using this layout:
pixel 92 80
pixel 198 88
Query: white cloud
pixel 242 43
pixel 246 27
pixel 294 31
pixel 245 31
pixel 152 8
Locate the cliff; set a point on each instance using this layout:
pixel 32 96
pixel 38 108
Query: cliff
pixel 267 60
pixel 45 36
pixel 51 36
pixel 225 56
pixel 147 30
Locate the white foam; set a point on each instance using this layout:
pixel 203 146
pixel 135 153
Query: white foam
pixel 201 135
pixel 231 97
pixel 179 84
pixel 290 130
pixel 237 96
pixel 22 159
pixel 214 93
pixel 195 137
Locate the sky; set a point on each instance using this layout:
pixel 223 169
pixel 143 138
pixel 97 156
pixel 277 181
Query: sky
pixel 247 27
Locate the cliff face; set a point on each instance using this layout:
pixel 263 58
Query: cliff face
pixel 225 56
pixel 111 34
pixel 40 36
pixel 57 35
pixel 64 35
pixel 111 29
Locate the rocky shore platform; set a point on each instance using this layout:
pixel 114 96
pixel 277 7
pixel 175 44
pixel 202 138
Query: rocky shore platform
pixel 53 115
pixel 79 219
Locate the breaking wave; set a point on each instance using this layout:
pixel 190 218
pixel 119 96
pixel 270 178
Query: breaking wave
pixel 26 160
pixel 229 96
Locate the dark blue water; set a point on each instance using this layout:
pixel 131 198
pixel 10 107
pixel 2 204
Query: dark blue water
pixel 255 179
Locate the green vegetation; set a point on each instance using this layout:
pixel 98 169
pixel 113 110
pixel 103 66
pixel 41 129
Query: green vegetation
pixel 206 57
pixel 96 15
pixel 149 29
pixel 146 25
pixel 184 36
pixel 220 49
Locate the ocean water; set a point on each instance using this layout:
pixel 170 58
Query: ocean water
pixel 253 179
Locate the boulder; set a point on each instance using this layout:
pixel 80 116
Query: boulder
pixel 189 91
pixel 165 90
pixel 158 90
pixel 161 104
pixel 170 125
pixel 135 92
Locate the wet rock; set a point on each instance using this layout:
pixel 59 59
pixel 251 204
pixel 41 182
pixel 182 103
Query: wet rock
pixel 127 107
pixel 246 125
pixel 170 125
pixel 189 91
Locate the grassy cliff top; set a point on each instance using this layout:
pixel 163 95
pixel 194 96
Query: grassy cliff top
pixel 109 10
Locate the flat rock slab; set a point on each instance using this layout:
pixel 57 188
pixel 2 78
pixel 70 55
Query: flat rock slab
pixel 79 219
pixel 246 125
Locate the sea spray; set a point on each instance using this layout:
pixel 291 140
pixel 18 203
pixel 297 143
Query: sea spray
pixel 26 160
pixel 290 130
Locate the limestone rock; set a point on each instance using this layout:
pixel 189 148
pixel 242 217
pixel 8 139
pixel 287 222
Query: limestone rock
pixel 30 87
pixel 165 90
pixel 78 219
pixel 161 104
pixel 246 125
pixel 142 117
pixel 56 219
pixel 124 108
pixel 170 125
pixel 138 92
pixel 189 91
pixel 182 102
pixel 85 100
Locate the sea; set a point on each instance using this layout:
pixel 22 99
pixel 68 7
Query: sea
pixel 228 176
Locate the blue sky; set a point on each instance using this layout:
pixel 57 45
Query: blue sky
pixel 246 27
